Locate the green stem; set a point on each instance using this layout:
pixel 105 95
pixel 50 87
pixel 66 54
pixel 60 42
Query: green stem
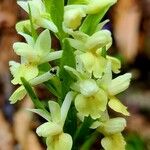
pixel 88 143
pixel 82 130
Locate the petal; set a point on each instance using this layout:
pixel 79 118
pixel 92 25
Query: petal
pixel 19 94
pixel 25 50
pixel 64 142
pixel 24 70
pixel 73 72
pixel 24 26
pixel 113 126
pixel 77 44
pixel 47 24
pixel 55 111
pixel 88 87
pixel 94 64
pixel 52 56
pixel 66 105
pixel 93 105
pixel 114 142
pixel 29 72
pixel 33 7
pixel 73 17
pixel 43 43
pixel 98 40
pixel 28 38
pixel 46 115
pixel 14 67
pixel 106 78
pixel 116 64
pixel 95 125
pixel 48 129
pixel 23 5
pixel 95 6
pixel 88 60
pixel 119 84
pixel 81 36
pixel 117 106
pixel 99 66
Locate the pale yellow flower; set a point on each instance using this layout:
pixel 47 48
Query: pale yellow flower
pixel 73 16
pixel 40 17
pixel 32 54
pixel 89 51
pixel 114 87
pixel 113 142
pixel 112 129
pixel 52 130
pixel 91 100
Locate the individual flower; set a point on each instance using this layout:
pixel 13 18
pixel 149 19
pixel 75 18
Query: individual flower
pixel 114 142
pixel 114 87
pixel 32 54
pixel 39 15
pixel 20 93
pixel 112 129
pixel 73 16
pixel 52 130
pixel 89 51
pixel 90 100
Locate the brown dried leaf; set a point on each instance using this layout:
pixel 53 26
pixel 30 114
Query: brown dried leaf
pixel 6 137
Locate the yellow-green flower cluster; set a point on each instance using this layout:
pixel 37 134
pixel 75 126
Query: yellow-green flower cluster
pixel 94 83
pixel 92 89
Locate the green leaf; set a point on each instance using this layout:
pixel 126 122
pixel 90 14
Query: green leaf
pixel 47 4
pixel 54 86
pixel 89 29
pixel 90 141
pixel 57 15
pixel 32 94
pixel 82 131
pixel 68 59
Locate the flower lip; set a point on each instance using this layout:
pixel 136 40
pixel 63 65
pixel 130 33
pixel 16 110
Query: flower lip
pixel 88 87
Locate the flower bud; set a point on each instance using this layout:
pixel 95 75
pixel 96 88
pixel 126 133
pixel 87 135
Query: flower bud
pixel 98 40
pixel 95 6
pixel 73 18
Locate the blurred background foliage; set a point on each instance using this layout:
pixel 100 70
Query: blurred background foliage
pixel 130 26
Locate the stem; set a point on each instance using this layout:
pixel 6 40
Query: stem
pixel 88 143
pixel 82 130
